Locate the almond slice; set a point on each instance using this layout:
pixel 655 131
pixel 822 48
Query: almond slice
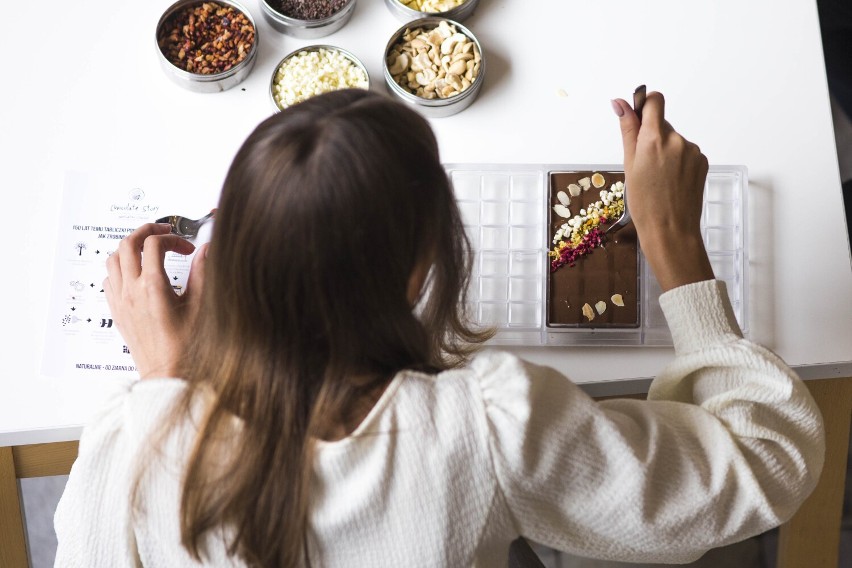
pixel 585 182
pixel 587 311
pixel 562 211
pixel 600 307
pixel 617 300
pixel 563 198
pixel 598 180
pixel 574 189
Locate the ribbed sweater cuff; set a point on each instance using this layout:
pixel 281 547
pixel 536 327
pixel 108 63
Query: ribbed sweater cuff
pixel 699 315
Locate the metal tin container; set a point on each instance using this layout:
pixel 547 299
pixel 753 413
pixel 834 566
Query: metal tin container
pixel 307 28
pixel 343 52
pixel 406 14
pixel 213 83
pixel 434 108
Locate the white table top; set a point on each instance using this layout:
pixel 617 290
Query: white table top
pixel 745 80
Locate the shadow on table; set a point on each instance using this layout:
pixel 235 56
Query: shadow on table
pixel 761 262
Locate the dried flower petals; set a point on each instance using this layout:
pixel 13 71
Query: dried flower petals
pixel 617 300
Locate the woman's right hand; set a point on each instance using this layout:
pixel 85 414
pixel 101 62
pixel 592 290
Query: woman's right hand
pixel 153 320
pixel 665 176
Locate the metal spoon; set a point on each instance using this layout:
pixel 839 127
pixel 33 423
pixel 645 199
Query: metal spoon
pixel 185 227
pixel 638 103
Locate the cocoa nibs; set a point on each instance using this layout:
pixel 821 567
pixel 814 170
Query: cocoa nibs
pixel 310 9
pixel 206 38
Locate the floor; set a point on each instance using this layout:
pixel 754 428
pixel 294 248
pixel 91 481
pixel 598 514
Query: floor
pixel 41 495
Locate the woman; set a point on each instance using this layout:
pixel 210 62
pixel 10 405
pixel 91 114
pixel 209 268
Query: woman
pixel 324 414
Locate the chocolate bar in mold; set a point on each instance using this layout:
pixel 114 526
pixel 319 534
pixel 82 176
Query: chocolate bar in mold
pixel 610 269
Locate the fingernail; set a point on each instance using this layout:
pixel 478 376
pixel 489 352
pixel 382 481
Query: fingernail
pixel 619 112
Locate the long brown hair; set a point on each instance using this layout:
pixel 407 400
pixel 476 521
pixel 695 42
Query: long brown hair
pixel 326 211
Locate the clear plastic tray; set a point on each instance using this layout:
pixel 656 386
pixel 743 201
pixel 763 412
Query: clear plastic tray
pixel 504 208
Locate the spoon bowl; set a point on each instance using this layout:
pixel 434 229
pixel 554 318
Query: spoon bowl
pixel 184 226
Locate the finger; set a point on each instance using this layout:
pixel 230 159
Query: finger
pixel 156 247
pixel 130 248
pixel 114 272
pixel 654 112
pixel 108 293
pixel 629 123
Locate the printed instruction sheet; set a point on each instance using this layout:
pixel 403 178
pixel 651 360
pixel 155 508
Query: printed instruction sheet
pixel 98 210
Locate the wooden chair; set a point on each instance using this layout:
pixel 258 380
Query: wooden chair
pixel 20 462
pixel 521 555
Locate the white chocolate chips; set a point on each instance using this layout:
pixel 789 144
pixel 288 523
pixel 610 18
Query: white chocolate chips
pixel 434 63
pixel 432 6
pixel 309 73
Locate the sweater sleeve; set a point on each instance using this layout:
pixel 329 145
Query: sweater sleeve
pixel 94 520
pixel 728 445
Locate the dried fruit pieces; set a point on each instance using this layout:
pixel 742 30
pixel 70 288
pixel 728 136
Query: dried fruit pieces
pixel 206 38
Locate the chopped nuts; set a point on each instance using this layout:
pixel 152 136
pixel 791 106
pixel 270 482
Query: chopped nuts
pixel 581 234
pixel 617 300
pixel 598 180
pixel 587 311
pixel 563 198
pixel 434 63
pixel 206 38
pixel 600 307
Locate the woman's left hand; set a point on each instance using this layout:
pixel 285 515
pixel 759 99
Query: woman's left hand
pixel 154 321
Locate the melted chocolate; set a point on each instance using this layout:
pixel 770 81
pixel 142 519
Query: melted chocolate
pixel 612 268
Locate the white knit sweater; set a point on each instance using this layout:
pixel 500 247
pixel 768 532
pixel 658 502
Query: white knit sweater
pixel 447 470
